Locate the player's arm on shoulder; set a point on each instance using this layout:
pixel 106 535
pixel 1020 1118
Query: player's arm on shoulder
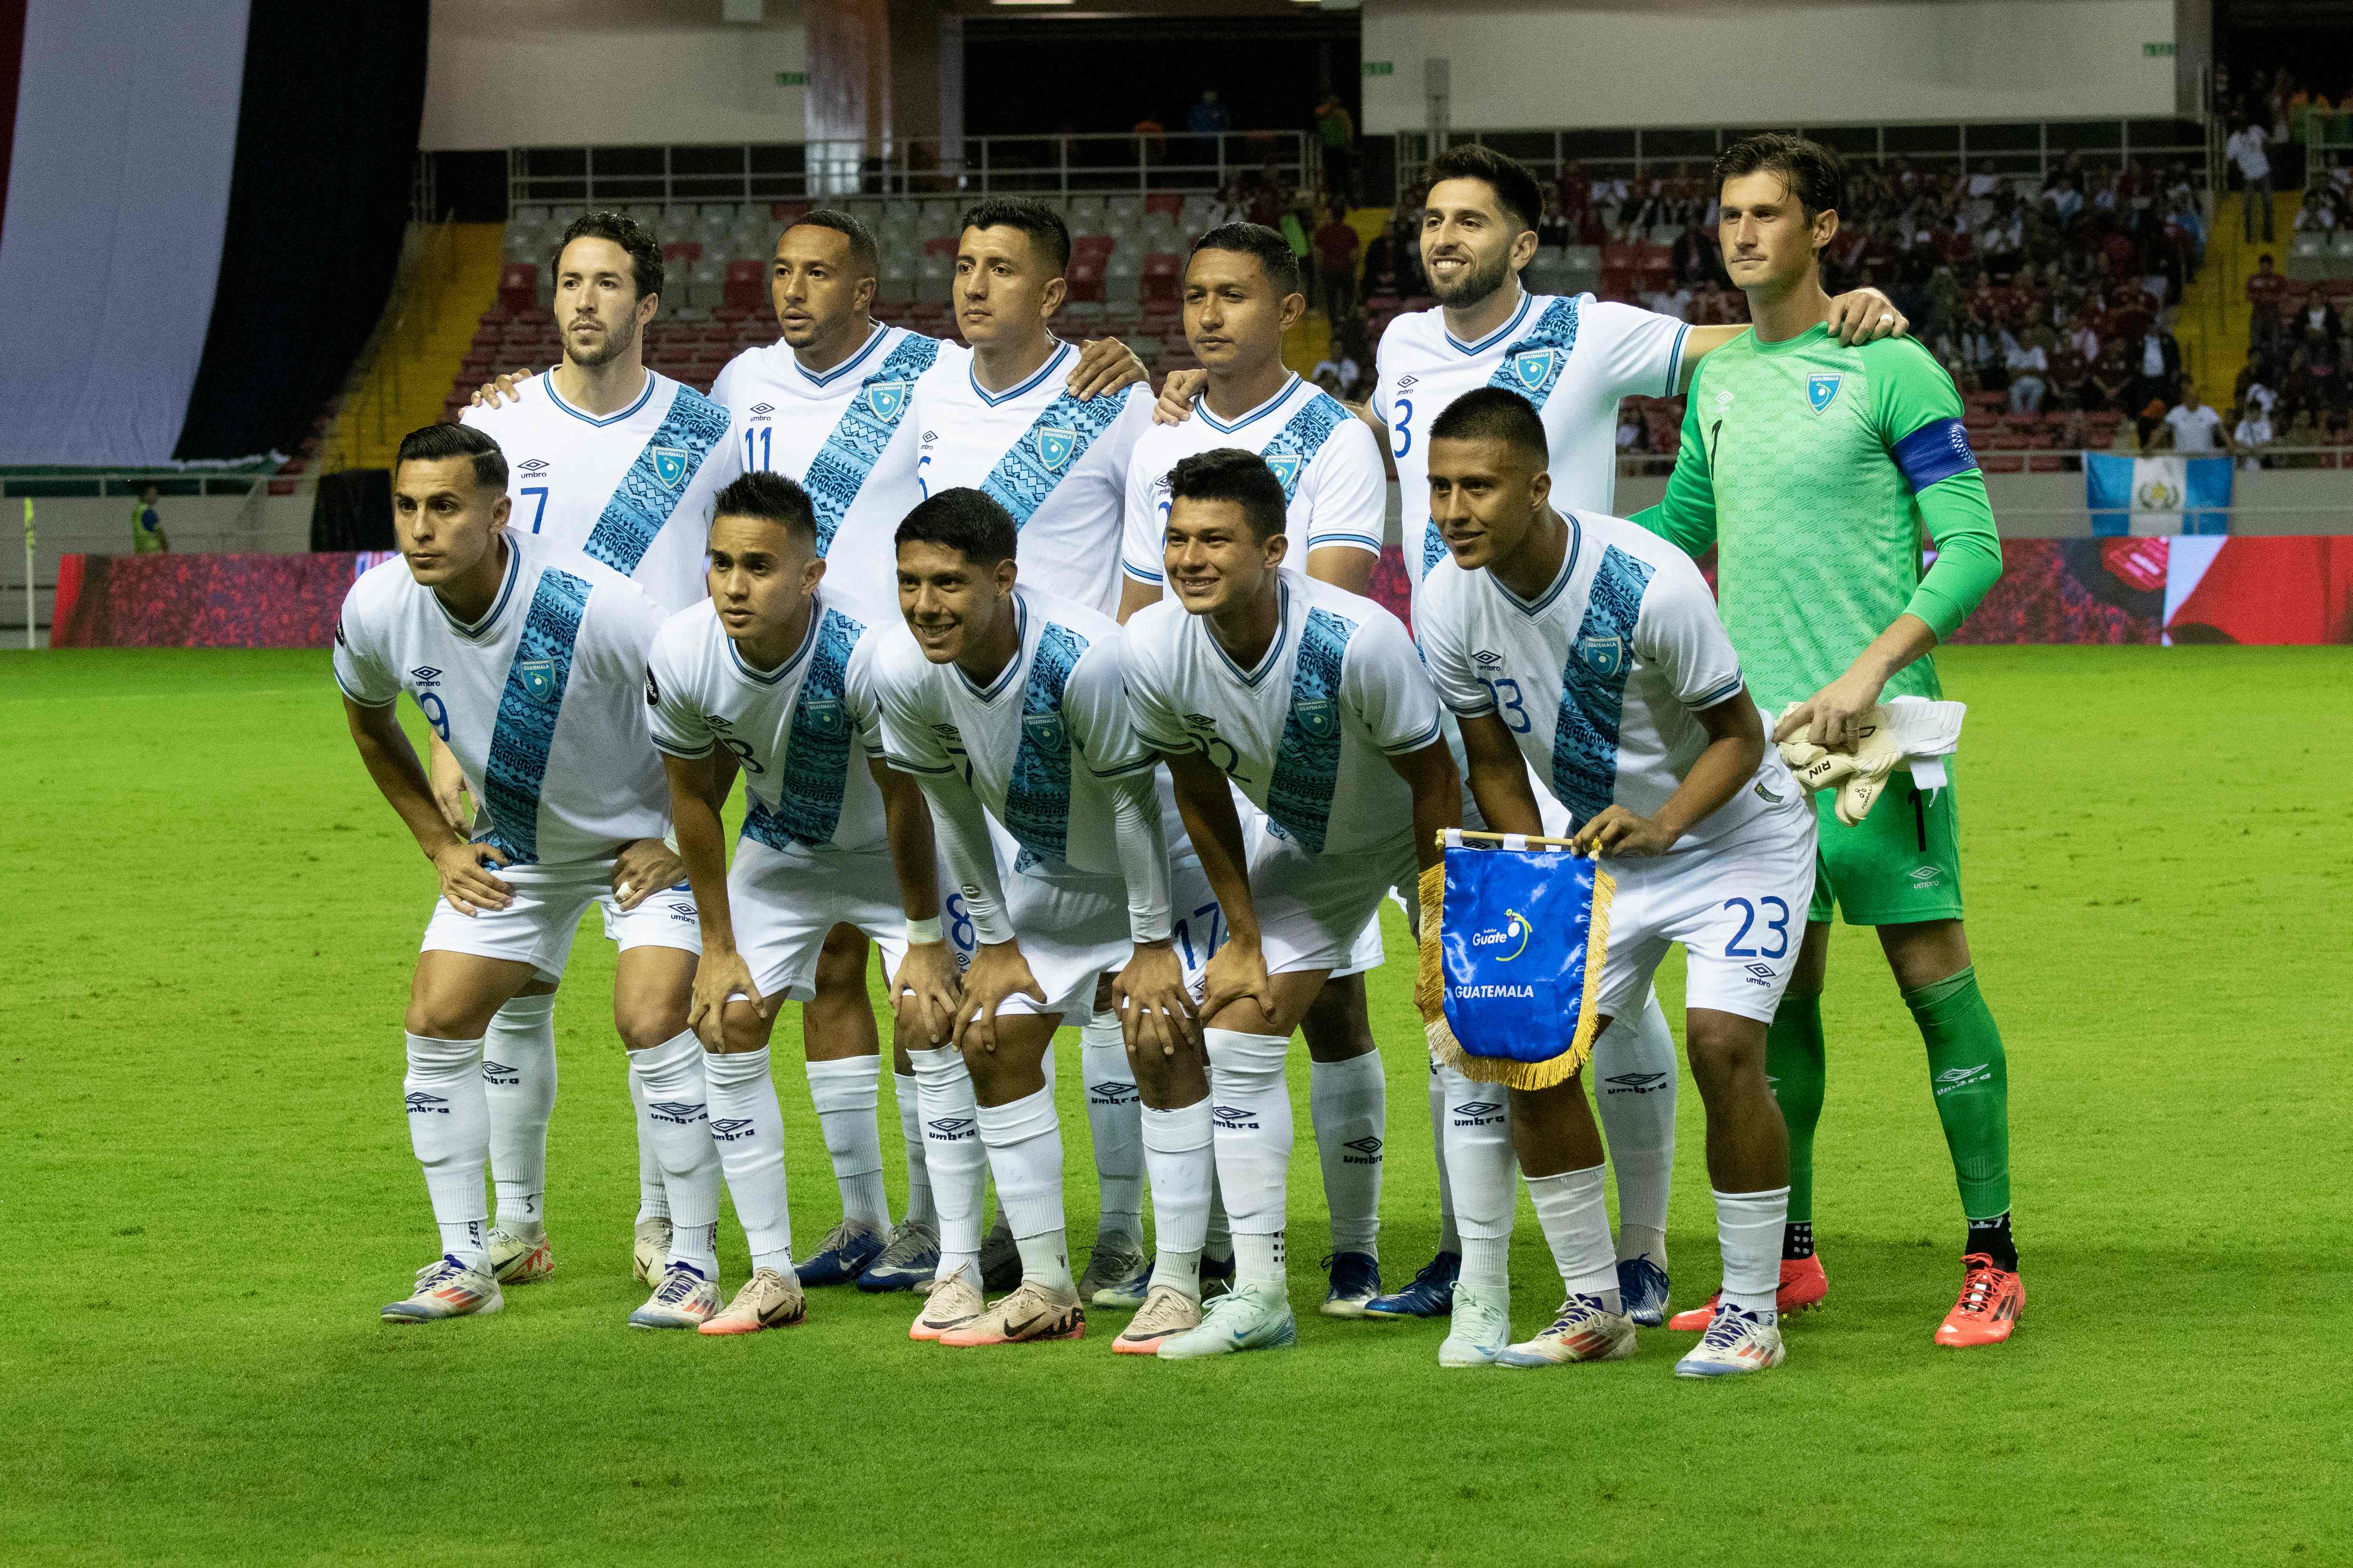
pixel 1685 516
pixel 1642 353
pixel 1176 395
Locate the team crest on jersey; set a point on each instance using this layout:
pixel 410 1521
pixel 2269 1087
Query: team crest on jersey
pixel 538 678
pixel 1605 657
pixel 1285 466
pixel 1820 390
pixel 824 715
pixel 1055 445
pixel 1317 716
pixel 1534 368
pixel 1044 731
pixel 669 465
pixel 886 398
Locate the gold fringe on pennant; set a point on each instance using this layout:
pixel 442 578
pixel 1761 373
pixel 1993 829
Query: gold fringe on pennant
pixel 1429 996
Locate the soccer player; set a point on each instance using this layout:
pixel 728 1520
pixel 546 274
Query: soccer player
pixel 1583 647
pixel 1813 468
pixel 777 669
pixel 1241 294
pixel 1313 703
pixel 1005 704
pixel 529 660
pixel 611 459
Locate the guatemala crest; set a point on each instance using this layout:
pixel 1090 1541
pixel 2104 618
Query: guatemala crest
pixel 538 678
pixel 886 398
pixel 1055 445
pixel 1820 390
pixel 1044 731
pixel 1533 367
pixel 1317 718
pixel 1605 657
pixel 824 715
pixel 669 465
pixel 1286 468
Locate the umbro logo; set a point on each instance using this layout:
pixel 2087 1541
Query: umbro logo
pixel 425 675
pixel 732 1129
pixel 1232 1119
pixel 533 466
pixel 1199 721
pixel 1761 972
pixel 500 1073
pixel 718 721
pixel 1477 1112
pixel 683 912
pixel 1952 1079
pixel 1112 1093
pixel 1407 383
pixel 1487 658
pixel 423 1104
pixel 1637 1082
pixel 762 410
pixel 1367 1152
pixel 1926 877
pixel 949 1128
pixel 677 1112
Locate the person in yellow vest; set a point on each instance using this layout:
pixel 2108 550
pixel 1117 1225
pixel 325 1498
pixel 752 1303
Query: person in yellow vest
pixel 147 536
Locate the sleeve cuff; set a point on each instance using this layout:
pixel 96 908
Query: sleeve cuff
pixel 671 749
pixel 1316 542
pixel 1130 569
pixel 1943 615
pixel 1418 742
pixel 908 765
pixel 362 702
pixel 1149 761
pixel 1722 692
pixel 1675 361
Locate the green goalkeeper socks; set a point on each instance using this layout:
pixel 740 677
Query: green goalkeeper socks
pixel 1794 1065
pixel 1971 1082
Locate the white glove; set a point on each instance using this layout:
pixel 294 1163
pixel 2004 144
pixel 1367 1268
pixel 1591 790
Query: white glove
pixel 1860 771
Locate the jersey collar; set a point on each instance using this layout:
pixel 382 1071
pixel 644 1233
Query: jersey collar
pixel 771 676
pixel 482 629
pixel 1527 303
pixel 995 688
pixel 1257 673
pixel 873 341
pixel 1543 601
pixel 989 400
pixel 1201 409
pixel 555 398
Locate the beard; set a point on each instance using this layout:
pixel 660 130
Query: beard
pixel 618 338
pixel 1475 287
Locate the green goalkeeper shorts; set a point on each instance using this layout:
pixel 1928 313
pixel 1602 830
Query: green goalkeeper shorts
pixel 1900 864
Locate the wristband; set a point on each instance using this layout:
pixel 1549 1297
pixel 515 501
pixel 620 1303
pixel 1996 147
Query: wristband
pixel 669 838
pixel 922 933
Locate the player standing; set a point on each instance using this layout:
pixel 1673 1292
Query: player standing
pixel 776 669
pixel 1006 702
pixel 1814 469
pixel 529 660
pixel 619 463
pixel 1580 646
pixel 1313 703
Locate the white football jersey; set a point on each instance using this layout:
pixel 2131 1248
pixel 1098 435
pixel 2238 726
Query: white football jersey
pixel 1328 460
pixel 632 489
pixel 1572 357
pixel 804 732
pixel 1059 465
pixel 848 437
pixel 1598 678
pixel 542 701
pixel 1308 732
pixel 1037 743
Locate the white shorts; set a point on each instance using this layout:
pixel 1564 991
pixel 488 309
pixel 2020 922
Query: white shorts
pixel 1070 931
pixel 1738 908
pixel 1196 924
pixel 538 926
pixel 1312 909
pixel 785 901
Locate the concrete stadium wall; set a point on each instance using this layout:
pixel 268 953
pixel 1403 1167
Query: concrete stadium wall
pixel 1518 65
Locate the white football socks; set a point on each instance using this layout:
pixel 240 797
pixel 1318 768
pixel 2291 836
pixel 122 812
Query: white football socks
pixel 910 1133
pixel 1748 1233
pixel 1634 1074
pixel 1114 1117
pixel 1177 1155
pixel 449 1127
pixel 1476 1147
pixel 519 1079
pixel 748 1126
pixel 953 1155
pixel 1575 1221
pixel 1025 1152
pixel 1251 1119
pixel 1349 1105
pixel 676 1109
pixel 1449 1237
pixel 1217 1240
pixel 846 1094
pixel 653 1197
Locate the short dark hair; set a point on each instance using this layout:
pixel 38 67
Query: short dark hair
pixel 1230 474
pixel 1493 414
pixel 1273 252
pixel 644 251
pixel 438 443
pixel 1048 235
pixel 965 521
pixel 865 254
pixel 772 498
pixel 1814 174
pixel 1516 189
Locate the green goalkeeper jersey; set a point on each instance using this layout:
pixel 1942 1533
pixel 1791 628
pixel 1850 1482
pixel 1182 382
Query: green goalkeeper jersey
pixel 1815 469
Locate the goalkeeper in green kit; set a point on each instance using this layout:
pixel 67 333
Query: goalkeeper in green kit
pixel 1814 470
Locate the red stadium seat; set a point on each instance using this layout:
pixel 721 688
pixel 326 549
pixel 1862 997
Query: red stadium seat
pixel 1161 273
pixel 1169 202
pixel 686 250
pixel 519 286
pixel 787 213
pixel 1084 276
pixel 747 284
pixel 1098 246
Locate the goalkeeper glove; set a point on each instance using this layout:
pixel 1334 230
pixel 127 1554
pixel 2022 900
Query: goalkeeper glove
pixel 1860 773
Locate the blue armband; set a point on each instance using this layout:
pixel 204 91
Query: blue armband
pixel 1934 453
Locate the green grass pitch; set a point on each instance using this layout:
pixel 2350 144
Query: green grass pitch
pixel 212 923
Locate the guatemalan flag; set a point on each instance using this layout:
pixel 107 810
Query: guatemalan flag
pixel 2169 494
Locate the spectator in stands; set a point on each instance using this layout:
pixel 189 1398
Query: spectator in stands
pixel 1337 245
pixel 1335 128
pixel 1208 116
pixel 1380 265
pixel 1977 343
pixel 2322 359
pixel 2303 439
pixel 2028 361
pixel 1632 436
pixel 2317 314
pixel 2157 366
pixel 2251 435
pixel 2197 430
pixel 2246 152
pixel 2109 387
pixel 147 536
pixel 2318 215
pixel 1940 304
pixel 1674 299
pixel 2070 374
pixel 2063 200
pixel 1230 208
pixel 2251 393
pixel 2081 338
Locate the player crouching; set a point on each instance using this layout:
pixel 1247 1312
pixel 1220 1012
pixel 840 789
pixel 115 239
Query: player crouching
pixel 776 670
pixel 1588 649
pixel 529 660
